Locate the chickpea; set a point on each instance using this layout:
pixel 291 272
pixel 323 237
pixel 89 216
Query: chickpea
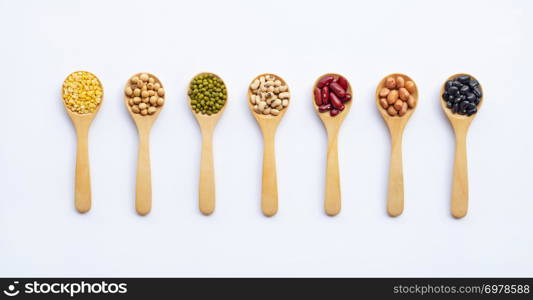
pixel 152 110
pixel 145 100
pixel 145 94
pixel 161 92
pixel 130 102
pixel 143 106
pixel 160 101
pixel 150 86
pixel 137 92
pixel 144 112
pixel 153 100
pixel 129 91
pixel 134 79
pixel 135 109
pixel 151 80
pixel 144 77
pixel 157 86
pixel 136 100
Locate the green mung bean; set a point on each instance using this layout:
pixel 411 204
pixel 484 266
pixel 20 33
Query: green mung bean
pixel 207 93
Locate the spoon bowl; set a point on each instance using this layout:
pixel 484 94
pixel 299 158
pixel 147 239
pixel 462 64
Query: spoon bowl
pixel 332 200
pixel 396 125
pixel 207 123
pixel 143 189
pixel 460 125
pixel 82 122
pixel 268 125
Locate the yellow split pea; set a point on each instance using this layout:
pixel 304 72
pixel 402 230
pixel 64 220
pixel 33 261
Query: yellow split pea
pixel 82 92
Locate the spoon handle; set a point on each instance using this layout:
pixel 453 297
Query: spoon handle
pixel 269 191
pixel 395 189
pixel 332 202
pixel 206 190
pixel 143 192
pixel 459 203
pixel 82 196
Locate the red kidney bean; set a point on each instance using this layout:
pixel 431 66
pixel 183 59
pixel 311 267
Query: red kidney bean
pixel 343 82
pixel 324 81
pixel 337 89
pixel 335 101
pixel 318 96
pixel 334 112
pixel 324 108
pixel 347 97
pixel 325 95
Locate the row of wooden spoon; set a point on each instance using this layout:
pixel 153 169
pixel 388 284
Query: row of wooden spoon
pixel 268 125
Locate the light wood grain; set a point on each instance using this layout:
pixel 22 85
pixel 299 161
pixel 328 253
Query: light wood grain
pixel 396 125
pixel 143 187
pixel 332 197
pixel 82 185
pixel 268 125
pixel 460 125
pixel 206 188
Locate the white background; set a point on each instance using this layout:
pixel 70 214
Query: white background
pixel 42 235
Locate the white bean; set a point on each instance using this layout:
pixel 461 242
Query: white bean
pixel 274 112
pixel 255 84
pixel 285 103
pixel 284 95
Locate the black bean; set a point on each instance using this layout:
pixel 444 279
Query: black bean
pixel 455 108
pixel 470 97
pixel 472 111
pixel 463 79
pixel 449 104
pixel 470 106
pixel 465 89
pixel 453 91
pixel 473 83
pixel 445 96
pixel 448 84
pixel 462 105
pixel 476 101
pixel 457 84
pixel 477 91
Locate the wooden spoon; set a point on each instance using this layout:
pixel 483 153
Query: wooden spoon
pixel 268 125
pixel 460 124
pixel 206 191
pixel 143 190
pixel 332 201
pixel 82 188
pixel 396 125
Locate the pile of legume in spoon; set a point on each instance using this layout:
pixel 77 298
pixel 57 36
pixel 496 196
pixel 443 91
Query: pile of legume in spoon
pixel 207 93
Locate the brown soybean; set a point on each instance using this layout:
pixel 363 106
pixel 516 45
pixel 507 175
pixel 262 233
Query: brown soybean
pixel 384 92
pixel 392 97
pixel 410 86
pixel 384 103
pixel 392 111
pixel 404 94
